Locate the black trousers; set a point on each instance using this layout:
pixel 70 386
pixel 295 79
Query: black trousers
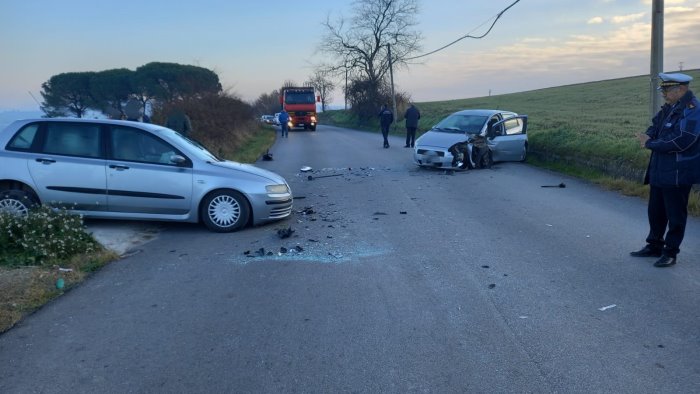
pixel 385 134
pixel 668 209
pixel 410 136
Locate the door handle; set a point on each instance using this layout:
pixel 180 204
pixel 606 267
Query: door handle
pixel 44 160
pixel 118 167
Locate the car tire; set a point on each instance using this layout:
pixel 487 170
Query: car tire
pixel 487 161
pixel 225 211
pixel 18 202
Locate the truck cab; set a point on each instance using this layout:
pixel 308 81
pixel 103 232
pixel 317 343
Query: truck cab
pixel 300 104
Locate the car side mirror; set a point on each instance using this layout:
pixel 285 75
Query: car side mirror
pixel 178 159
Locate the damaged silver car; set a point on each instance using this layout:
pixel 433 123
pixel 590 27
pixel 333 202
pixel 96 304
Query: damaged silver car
pixel 473 138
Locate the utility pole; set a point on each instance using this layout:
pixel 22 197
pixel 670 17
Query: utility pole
pixel 680 66
pixel 346 87
pixel 391 75
pixel 657 56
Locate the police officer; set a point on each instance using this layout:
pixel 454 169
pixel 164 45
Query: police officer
pixel 674 166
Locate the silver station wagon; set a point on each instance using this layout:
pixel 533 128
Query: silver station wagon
pixel 129 170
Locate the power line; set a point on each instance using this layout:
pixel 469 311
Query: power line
pixel 468 35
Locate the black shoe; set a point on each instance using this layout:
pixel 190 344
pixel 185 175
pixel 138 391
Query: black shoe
pixel 647 251
pixel 406 146
pixel 665 261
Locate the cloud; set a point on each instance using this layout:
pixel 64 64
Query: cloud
pixel 595 21
pixel 535 63
pixel 675 10
pixel 668 2
pixel 627 18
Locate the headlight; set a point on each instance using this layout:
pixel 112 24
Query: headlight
pixel 277 189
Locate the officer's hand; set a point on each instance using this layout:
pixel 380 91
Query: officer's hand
pixel 643 138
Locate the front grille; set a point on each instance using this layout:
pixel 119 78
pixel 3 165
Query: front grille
pixel 278 213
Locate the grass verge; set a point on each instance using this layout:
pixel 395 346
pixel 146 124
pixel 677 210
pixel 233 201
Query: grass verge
pixel 257 143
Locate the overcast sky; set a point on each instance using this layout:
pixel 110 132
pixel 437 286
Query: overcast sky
pixel 256 45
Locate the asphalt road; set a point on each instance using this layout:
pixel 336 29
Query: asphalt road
pixel 395 279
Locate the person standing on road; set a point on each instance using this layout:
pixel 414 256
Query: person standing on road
pixel 386 118
pixel 674 166
pixel 283 119
pixel 412 115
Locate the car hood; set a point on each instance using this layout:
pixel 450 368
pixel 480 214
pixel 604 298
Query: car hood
pixel 440 140
pixel 250 169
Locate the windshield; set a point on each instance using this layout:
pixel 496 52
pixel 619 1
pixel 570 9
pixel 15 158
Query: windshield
pixel 194 146
pixel 461 124
pixel 299 98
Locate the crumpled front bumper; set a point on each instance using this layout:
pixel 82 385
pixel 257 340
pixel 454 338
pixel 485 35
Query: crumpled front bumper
pixel 433 157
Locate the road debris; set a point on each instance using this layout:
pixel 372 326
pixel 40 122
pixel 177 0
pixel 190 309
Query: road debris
pixel 267 156
pixel 311 177
pixel 561 185
pixel 285 232
pixel 492 285
pixel 306 211
pixel 607 307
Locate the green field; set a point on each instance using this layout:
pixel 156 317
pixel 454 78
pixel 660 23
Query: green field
pixel 586 129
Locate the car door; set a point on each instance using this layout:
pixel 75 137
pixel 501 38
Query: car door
pixel 141 178
pixel 68 168
pixel 509 141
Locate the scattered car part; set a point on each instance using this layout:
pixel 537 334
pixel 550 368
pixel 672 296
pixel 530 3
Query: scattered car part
pixel 311 177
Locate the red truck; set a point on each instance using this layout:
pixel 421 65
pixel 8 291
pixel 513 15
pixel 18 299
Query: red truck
pixel 300 104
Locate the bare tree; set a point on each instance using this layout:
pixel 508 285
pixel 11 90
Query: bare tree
pixel 267 103
pixel 324 86
pixel 361 43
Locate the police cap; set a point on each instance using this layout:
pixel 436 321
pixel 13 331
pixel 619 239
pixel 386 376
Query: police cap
pixel 673 79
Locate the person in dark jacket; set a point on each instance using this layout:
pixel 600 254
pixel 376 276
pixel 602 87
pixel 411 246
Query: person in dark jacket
pixel 674 166
pixel 412 115
pixel 179 121
pixel 386 118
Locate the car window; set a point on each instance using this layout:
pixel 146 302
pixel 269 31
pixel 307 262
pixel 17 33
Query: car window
pixel 513 126
pixel 73 139
pixel 25 138
pixel 461 124
pixel 494 130
pixel 135 145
